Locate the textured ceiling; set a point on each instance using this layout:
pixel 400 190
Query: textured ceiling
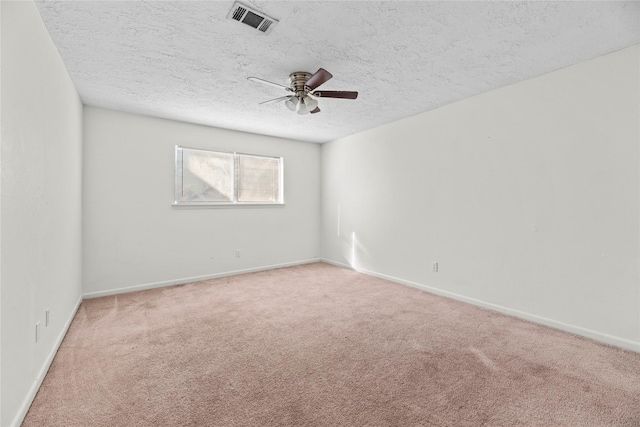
pixel 184 60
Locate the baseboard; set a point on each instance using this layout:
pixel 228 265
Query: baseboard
pixel 339 264
pixel 28 400
pixel 182 281
pixel 588 333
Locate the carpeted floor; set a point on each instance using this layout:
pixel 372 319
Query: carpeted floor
pixel 317 345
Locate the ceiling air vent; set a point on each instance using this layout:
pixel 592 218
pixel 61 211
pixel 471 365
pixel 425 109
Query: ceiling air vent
pixel 252 18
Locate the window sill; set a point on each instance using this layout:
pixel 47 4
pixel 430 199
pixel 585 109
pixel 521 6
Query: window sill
pixel 205 205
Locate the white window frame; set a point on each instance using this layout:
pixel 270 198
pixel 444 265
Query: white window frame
pixel 178 200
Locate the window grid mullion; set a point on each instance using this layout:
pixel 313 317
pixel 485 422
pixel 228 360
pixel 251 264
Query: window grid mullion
pixel 236 181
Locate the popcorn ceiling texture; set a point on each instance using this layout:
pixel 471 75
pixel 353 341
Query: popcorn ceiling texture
pixel 184 60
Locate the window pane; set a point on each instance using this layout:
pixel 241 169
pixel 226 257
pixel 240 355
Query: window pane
pixel 258 179
pixel 207 176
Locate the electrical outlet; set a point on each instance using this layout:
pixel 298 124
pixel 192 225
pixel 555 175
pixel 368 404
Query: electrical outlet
pixel 37 331
pixel 435 267
pixel 237 254
pixel 46 317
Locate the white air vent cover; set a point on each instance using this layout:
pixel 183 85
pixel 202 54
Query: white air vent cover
pixel 252 18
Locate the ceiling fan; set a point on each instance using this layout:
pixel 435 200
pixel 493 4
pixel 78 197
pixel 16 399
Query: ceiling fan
pixel 302 86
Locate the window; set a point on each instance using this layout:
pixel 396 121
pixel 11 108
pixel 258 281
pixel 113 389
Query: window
pixel 215 178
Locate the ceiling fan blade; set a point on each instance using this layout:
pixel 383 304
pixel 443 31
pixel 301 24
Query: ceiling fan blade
pixel 265 82
pixel 318 78
pixel 344 94
pixel 315 110
pixel 273 101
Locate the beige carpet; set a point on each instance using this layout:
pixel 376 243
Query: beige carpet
pixel 318 345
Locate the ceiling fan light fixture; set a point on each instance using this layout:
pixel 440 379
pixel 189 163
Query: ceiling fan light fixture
pixel 310 103
pixel 301 108
pixel 291 103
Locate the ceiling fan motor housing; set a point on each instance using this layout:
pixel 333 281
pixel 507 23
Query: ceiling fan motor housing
pixel 298 81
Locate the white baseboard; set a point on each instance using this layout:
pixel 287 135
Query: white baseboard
pixel 194 279
pixel 588 333
pixel 33 390
pixel 338 264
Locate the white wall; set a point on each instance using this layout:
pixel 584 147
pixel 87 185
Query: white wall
pixel 526 196
pixel 40 211
pixel 133 238
pixel 0 213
